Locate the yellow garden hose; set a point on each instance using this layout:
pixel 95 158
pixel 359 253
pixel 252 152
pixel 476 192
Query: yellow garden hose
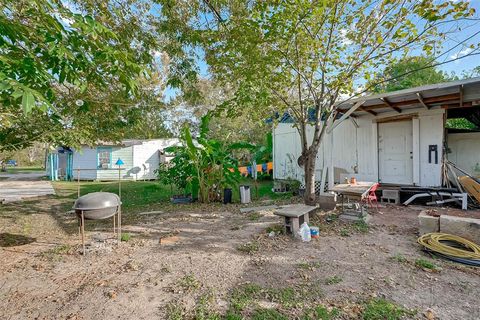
pixel 451 246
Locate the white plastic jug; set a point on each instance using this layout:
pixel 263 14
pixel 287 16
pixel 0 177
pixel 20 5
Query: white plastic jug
pixel 305 232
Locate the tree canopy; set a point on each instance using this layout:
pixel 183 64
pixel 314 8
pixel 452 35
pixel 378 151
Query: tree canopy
pixel 406 73
pixel 302 54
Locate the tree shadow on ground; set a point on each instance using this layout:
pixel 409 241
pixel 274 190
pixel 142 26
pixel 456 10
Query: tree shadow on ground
pixel 13 240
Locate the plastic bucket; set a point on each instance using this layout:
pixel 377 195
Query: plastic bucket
pixel 314 232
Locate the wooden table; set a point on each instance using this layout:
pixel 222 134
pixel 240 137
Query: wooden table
pixel 358 190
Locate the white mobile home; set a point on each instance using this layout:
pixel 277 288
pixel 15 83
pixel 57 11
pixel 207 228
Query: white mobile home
pixel 394 138
pixel 140 160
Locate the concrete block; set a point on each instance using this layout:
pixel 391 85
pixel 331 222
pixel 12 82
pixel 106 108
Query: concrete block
pixel 427 223
pixel 467 228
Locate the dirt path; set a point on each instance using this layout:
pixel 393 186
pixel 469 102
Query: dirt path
pixel 205 257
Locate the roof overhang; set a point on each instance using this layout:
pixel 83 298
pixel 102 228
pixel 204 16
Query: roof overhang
pixel 454 94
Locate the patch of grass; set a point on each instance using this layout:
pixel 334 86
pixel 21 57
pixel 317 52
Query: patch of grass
pixel 320 313
pixel 333 280
pixel 175 311
pixel 57 252
pixel 344 233
pixel 204 308
pixel 189 283
pixel 361 226
pixel 381 309
pixel 242 296
pixel 268 314
pixel 250 247
pixel 125 237
pixel 308 265
pixel 233 316
pixel 399 258
pixel 277 228
pixel 287 296
pixel 425 264
pixel 254 216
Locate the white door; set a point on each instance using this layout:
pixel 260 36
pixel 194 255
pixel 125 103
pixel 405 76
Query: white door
pixel 395 153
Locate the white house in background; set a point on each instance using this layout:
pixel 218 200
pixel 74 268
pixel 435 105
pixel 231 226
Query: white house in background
pixel 396 138
pixel 140 157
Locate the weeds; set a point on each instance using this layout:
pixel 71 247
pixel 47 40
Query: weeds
pixel 249 247
pixel 320 313
pixel 242 296
pixel 344 233
pixel 361 226
pixel 277 228
pixel 399 258
pixel 57 252
pixel 175 311
pixel 381 309
pixel 333 280
pixel 189 283
pixel 309 265
pixel 125 237
pixel 204 308
pixel 425 264
pixel 268 314
pixel 254 216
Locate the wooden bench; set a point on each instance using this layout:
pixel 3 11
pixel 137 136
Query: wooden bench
pixel 294 215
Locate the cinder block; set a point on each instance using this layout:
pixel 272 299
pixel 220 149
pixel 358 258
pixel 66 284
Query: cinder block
pixel 427 223
pixel 467 228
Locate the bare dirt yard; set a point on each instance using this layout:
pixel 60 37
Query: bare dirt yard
pixel 213 262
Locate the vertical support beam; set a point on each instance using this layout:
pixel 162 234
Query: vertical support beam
pixel 416 150
pixel 375 150
pixel 461 95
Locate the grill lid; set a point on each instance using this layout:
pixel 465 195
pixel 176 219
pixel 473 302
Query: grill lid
pixel 97 200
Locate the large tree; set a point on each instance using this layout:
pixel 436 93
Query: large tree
pixel 302 56
pixel 406 73
pixel 74 72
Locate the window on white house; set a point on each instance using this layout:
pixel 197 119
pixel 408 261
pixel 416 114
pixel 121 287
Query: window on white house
pixel 104 156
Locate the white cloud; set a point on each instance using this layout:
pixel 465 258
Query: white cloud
pixel 460 54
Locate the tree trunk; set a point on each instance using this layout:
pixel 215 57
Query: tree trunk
pixel 309 167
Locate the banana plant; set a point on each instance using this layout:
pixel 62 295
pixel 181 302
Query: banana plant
pixel 203 166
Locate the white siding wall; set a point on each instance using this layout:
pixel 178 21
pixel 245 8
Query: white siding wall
pixel 355 151
pixel 86 158
pixel 124 153
pixel 431 133
pixel 465 151
pixel 146 157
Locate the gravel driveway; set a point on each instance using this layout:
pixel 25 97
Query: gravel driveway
pixel 18 186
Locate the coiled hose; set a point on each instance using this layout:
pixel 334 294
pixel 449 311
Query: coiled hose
pixel 452 247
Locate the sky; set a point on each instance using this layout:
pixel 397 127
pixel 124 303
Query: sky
pixel 463 64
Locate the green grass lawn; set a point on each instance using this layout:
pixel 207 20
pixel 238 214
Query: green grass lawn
pixel 137 195
pixel 24 169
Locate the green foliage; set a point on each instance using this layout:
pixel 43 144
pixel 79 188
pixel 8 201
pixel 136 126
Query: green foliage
pixel 249 247
pixel 333 280
pixel 407 73
pixel 268 314
pixel 189 283
pixel 460 123
pixel 381 309
pixel 320 313
pixel 125 237
pixel 50 54
pixel 425 264
pixel 204 167
pixel 293 55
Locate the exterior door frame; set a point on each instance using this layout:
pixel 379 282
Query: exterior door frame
pixel 415 144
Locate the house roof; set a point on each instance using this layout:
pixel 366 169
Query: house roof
pixel 454 94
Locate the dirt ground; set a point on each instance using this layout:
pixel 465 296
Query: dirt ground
pixel 192 263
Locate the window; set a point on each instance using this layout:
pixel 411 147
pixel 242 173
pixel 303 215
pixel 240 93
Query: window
pixel 104 157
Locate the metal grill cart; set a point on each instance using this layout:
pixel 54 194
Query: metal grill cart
pixel 98 206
